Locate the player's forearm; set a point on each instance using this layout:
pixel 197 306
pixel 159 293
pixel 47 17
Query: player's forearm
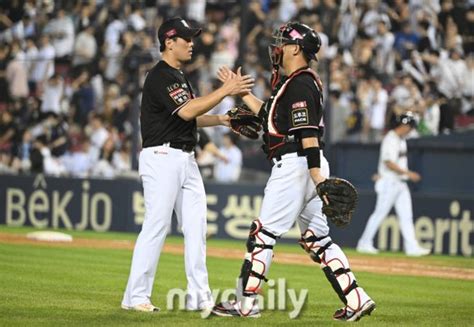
pixel 315 172
pixel 252 102
pixel 395 168
pixel 209 120
pixel 213 149
pixel 199 106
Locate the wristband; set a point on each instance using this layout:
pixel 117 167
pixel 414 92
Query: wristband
pixel 313 157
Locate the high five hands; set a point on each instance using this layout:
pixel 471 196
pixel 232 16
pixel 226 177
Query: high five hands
pixel 235 83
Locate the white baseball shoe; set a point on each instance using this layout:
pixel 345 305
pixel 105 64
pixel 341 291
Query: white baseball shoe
pixel 234 309
pixel 144 307
pixel 366 248
pixel 205 305
pixel 419 252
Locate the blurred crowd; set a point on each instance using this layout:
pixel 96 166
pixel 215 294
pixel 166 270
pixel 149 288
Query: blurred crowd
pixel 71 72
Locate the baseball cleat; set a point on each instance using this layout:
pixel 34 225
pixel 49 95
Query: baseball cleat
pixel 345 314
pixel 366 248
pixel 418 252
pixel 145 307
pixel 205 305
pixel 233 309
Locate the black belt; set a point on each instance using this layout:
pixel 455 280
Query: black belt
pixel 183 147
pixel 278 157
pixel 179 146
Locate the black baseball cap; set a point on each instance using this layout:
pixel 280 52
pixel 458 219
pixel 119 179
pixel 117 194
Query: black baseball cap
pixel 175 27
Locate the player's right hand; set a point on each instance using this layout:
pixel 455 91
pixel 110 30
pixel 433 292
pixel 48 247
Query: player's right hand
pixel 235 83
pixel 414 177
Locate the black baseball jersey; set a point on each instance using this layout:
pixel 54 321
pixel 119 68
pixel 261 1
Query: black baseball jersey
pixel 294 109
pixel 165 92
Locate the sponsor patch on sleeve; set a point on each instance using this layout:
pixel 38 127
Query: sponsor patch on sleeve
pixel 299 116
pixel 179 95
pixel 299 104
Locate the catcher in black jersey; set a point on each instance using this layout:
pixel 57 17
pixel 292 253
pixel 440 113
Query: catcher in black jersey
pixel 293 127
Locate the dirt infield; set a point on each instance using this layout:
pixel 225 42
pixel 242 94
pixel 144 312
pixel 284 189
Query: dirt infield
pixel 390 266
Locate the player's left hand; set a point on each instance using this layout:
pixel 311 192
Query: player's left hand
pixel 224 73
pixel 244 122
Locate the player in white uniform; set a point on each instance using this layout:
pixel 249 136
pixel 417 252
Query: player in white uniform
pixel 293 129
pixel 170 115
pixel 392 189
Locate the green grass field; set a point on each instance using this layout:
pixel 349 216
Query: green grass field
pixel 54 286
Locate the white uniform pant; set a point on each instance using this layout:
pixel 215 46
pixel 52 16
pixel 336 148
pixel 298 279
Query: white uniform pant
pixel 290 193
pixel 392 192
pixel 171 181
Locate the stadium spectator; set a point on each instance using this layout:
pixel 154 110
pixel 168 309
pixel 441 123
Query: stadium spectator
pixel 98 135
pixel 8 131
pixel 22 159
pixel 82 98
pixel 79 162
pixel 61 33
pixel 17 73
pixel 52 94
pixel 100 51
pixel 228 171
pixel 354 122
pixel 377 109
pixel 85 48
pixel 43 68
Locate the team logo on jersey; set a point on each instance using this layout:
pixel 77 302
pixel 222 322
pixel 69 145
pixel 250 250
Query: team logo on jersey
pixel 300 116
pixel 172 87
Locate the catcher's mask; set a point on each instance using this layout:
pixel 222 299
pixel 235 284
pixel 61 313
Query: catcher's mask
pixel 294 33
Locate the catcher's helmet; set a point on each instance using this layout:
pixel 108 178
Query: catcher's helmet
pixel 407 118
pixel 295 33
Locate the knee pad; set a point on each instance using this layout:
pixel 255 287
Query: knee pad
pixel 257 259
pixel 313 245
pixel 335 266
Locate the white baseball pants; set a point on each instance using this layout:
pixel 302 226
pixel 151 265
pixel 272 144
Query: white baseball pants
pixel 392 192
pixel 171 181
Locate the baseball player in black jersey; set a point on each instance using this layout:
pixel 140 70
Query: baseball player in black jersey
pixel 293 127
pixel 170 115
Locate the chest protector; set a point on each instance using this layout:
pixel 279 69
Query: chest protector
pixel 273 137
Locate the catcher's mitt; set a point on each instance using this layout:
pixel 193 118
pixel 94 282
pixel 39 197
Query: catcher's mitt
pixel 341 198
pixel 244 122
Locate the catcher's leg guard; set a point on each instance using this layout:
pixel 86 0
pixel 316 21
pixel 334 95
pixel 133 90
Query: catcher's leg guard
pixel 335 265
pixel 254 269
pixel 257 259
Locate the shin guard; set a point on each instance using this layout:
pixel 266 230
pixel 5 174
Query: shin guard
pixel 257 259
pixel 335 266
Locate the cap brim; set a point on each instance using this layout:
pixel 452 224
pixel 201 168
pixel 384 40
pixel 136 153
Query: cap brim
pixel 191 32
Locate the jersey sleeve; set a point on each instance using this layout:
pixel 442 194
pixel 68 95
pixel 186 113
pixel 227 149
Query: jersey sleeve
pixel 389 149
pixel 171 92
pixel 303 103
